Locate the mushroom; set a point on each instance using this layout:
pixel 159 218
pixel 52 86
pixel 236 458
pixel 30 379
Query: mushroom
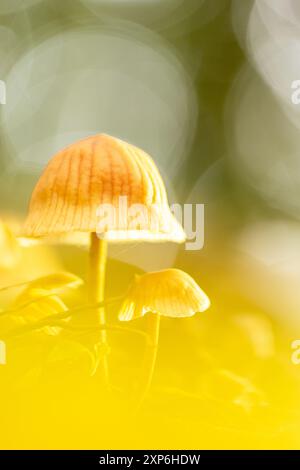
pixel 96 173
pixel 171 293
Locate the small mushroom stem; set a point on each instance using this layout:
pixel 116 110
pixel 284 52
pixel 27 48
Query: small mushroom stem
pixel 98 255
pixel 152 330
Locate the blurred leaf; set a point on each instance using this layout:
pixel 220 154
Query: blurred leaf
pixel 52 283
pixel 40 307
pixel 226 386
pixel 57 281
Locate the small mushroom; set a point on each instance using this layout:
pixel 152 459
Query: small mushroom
pixel 93 173
pixel 171 293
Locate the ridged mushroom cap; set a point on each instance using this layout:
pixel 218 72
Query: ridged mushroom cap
pixel 96 172
pixel 170 292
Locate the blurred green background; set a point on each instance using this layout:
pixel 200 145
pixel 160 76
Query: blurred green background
pixel 203 86
pixel 156 73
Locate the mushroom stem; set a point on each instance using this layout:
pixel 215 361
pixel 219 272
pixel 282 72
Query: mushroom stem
pixel 98 255
pixel 152 329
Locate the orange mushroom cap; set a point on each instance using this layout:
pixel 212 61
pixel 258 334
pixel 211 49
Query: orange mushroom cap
pixel 170 292
pixel 95 171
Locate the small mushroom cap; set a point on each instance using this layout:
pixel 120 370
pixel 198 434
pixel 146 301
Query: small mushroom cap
pixel 170 292
pixel 100 171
